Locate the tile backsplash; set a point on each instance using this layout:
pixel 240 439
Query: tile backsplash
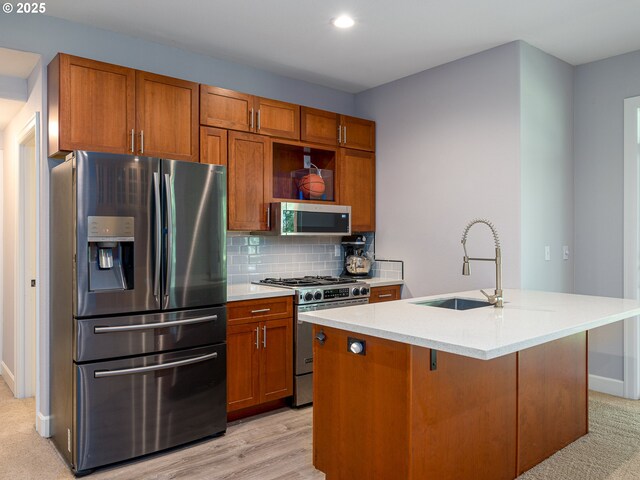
pixel 254 257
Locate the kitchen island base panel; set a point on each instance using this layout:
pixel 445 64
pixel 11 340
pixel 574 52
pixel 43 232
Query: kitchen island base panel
pixel 390 414
pixel 552 398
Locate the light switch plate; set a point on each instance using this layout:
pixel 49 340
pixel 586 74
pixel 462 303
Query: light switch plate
pixel 565 252
pixel 547 253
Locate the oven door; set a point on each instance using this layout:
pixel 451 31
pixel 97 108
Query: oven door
pixel 303 335
pixel 135 406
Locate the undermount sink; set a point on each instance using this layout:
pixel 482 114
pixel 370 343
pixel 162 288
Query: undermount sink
pixel 455 303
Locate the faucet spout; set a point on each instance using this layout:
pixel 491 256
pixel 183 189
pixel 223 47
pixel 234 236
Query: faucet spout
pixel 496 299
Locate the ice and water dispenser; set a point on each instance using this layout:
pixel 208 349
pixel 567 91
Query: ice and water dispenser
pixel 110 244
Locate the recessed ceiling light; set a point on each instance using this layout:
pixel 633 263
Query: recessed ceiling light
pixel 343 21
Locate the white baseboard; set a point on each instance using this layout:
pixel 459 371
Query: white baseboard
pixel 43 425
pixel 9 377
pixel 607 385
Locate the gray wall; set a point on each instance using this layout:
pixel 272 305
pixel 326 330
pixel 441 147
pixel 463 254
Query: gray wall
pixel 448 146
pixel 546 157
pixel 599 90
pixel 48 36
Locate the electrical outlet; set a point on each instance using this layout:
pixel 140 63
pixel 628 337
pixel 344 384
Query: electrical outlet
pixel 565 252
pixel 336 252
pixel 547 253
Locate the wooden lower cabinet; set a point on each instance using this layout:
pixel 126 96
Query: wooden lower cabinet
pixel 259 352
pixel 385 294
pixel 387 414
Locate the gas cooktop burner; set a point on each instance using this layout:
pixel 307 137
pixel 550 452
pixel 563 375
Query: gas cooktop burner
pixel 307 281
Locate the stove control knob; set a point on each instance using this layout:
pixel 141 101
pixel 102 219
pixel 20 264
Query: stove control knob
pixel 355 291
pixel 308 297
pixel 317 295
pixel 364 291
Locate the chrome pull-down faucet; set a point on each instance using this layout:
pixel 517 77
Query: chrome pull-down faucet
pixel 496 299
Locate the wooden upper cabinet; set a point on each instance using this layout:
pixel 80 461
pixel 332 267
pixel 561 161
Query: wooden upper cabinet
pixel 220 107
pixel 357 187
pixel 167 117
pixel 357 133
pixel 249 179
pixel 277 119
pixel 91 105
pixel 213 146
pixel 101 107
pixel 319 126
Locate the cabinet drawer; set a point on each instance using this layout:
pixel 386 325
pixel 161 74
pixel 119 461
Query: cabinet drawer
pixel 245 311
pixel 385 294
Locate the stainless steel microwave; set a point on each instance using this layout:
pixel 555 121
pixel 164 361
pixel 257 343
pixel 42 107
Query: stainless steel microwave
pixel 292 218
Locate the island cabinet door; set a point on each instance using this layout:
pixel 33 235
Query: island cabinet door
pixel 243 365
pixel 463 419
pixel 360 407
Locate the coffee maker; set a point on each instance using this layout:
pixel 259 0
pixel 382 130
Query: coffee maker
pixel 356 262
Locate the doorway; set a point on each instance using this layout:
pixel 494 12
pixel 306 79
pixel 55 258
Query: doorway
pixel 632 244
pixel 28 259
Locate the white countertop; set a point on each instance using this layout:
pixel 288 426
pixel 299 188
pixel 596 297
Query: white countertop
pixel 251 291
pixel 528 318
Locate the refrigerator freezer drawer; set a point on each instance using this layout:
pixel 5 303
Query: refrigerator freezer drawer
pixel 127 408
pixel 123 336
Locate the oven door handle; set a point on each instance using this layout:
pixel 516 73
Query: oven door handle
pixel 146 326
pixel 153 368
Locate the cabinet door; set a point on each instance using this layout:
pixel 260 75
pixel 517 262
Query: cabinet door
pixel 95 105
pixel 357 180
pixel 243 365
pixel 319 126
pixel 278 119
pixel 385 294
pixel 358 133
pixel 167 117
pixel 213 146
pixel 249 180
pixel 276 376
pixel 220 107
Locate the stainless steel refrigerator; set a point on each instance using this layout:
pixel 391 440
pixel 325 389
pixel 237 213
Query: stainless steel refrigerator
pixel 138 316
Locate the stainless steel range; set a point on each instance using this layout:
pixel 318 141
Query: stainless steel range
pixel 314 293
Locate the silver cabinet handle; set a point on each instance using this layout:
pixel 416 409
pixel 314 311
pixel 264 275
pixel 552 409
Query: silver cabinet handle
pixel 261 310
pixel 385 295
pixel 269 217
pixel 264 336
pixel 133 147
pixel 169 256
pixel 251 119
pixel 158 232
pixel 258 119
pixel 147 326
pixel 339 134
pixel 152 368
pixel 141 141
pixel 344 137
pixel 257 338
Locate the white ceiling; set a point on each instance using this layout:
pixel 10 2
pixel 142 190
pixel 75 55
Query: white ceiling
pixel 391 39
pixel 14 63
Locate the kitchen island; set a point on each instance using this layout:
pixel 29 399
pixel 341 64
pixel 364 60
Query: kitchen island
pixel 410 391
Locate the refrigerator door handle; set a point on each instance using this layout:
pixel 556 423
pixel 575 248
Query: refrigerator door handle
pixel 145 326
pixel 153 368
pixel 158 235
pixel 169 255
